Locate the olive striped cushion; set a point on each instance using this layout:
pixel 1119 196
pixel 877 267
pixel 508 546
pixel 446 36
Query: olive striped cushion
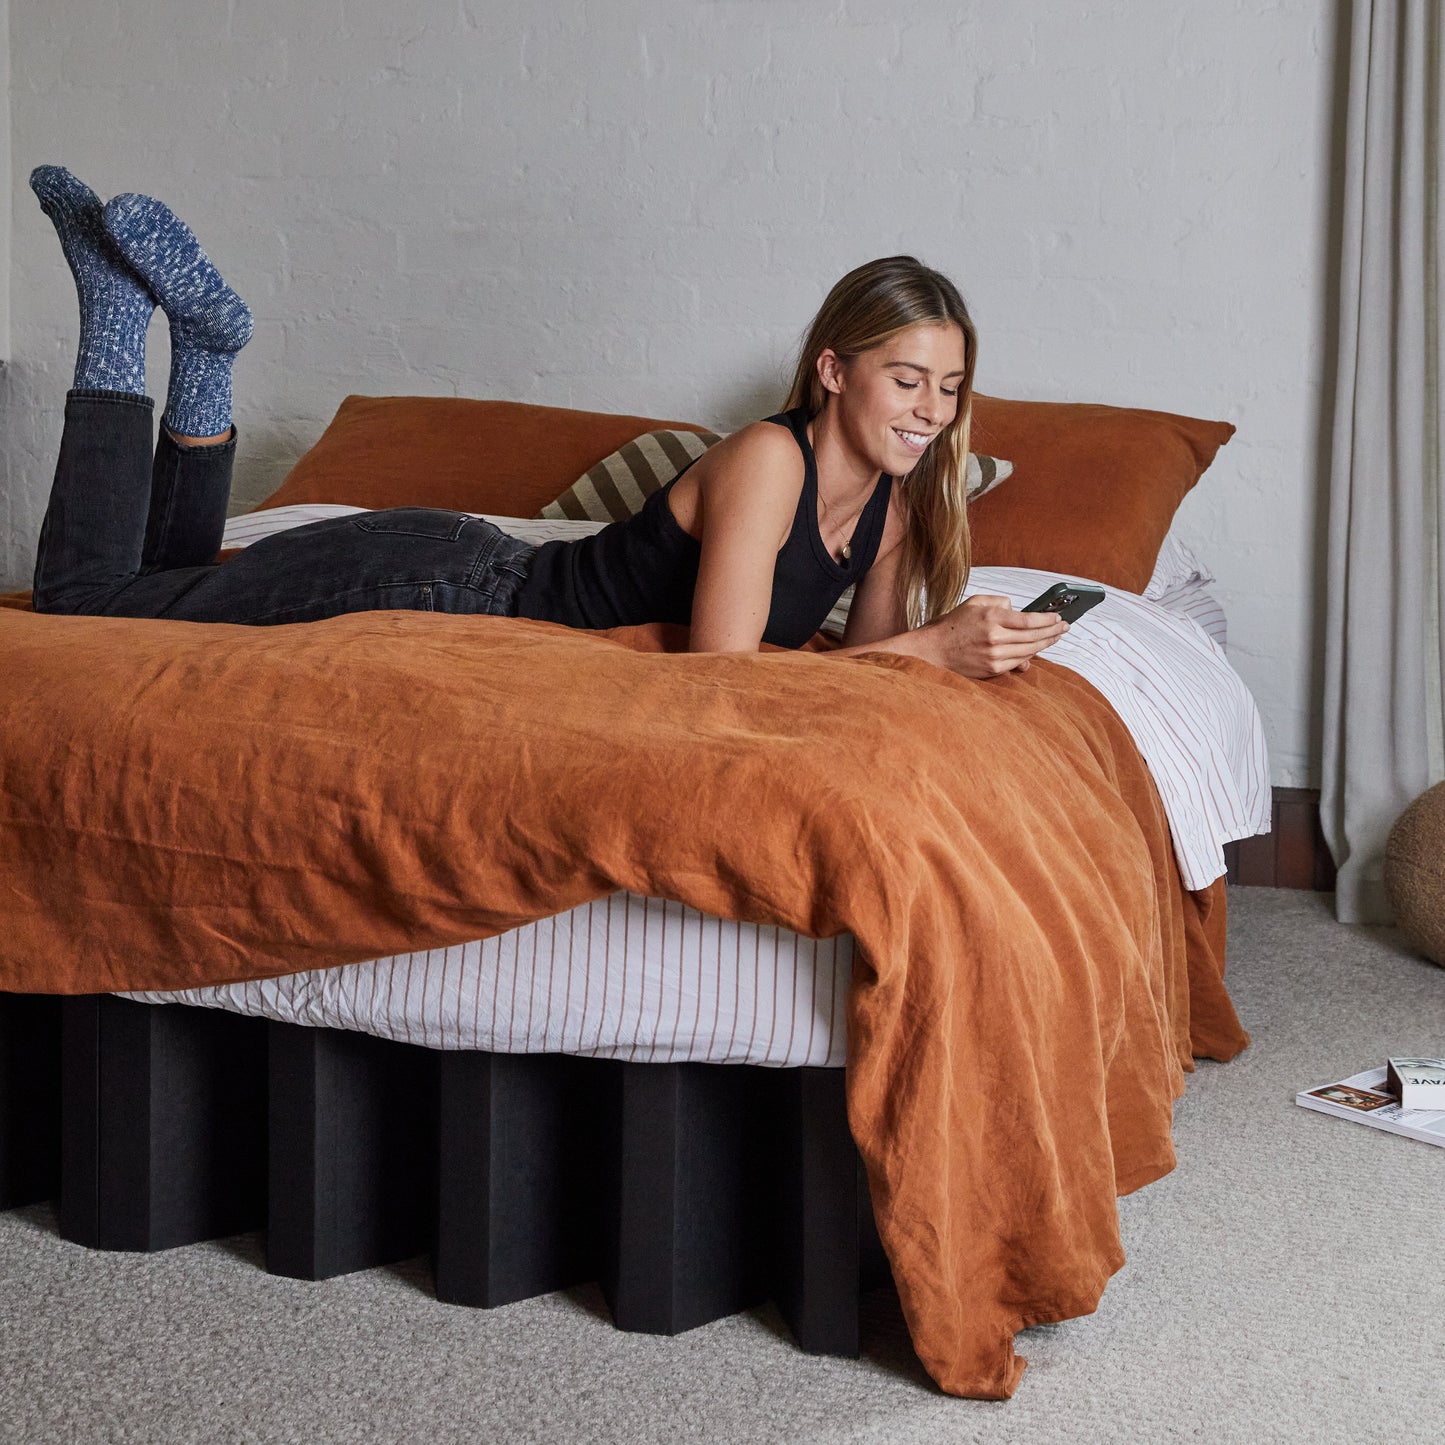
pixel 984 474
pixel 618 485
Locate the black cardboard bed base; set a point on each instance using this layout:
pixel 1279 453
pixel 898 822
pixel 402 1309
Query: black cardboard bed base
pixel 522 1148
pixel 688 1191
pixel 163 1124
pixel 352 1157
pixel 29 1099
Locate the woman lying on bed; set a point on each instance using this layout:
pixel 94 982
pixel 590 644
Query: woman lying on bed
pixel 859 481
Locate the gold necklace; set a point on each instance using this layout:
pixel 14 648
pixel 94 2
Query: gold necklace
pixel 848 545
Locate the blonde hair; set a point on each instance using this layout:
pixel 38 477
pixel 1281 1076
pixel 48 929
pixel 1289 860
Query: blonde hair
pixel 867 308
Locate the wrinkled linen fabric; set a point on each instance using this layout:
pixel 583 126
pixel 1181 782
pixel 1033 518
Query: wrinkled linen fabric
pixel 1190 714
pixel 186 804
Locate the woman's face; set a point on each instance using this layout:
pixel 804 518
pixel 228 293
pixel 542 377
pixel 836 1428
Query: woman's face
pixel 892 401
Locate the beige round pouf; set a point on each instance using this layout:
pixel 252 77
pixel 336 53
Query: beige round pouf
pixel 1415 873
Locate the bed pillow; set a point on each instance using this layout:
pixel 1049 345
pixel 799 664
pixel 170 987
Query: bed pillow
pixel 1094 487
pixel 1175 569
pixel 1092 493
pixel 618 485
pixel 501 457
pixel 984 474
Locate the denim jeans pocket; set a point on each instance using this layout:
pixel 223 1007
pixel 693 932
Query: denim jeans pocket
pixel 513 556
pixel 414 522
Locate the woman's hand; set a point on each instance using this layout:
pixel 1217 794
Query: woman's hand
pixel 984 637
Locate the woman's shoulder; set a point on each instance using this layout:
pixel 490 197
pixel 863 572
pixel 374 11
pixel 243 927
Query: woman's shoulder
pixel 757 469
pixel 776 431
pixel 759 446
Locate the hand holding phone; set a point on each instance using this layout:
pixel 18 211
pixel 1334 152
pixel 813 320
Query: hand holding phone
pixel 1070 600
pixel 986 636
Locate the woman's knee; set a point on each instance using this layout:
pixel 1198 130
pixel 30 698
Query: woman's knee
pixel 52 600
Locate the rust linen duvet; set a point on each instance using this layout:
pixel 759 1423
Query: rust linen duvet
pixel 186 804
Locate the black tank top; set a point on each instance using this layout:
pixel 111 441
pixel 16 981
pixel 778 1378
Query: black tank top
pixel 645 569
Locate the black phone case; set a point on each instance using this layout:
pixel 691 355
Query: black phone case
pixel 1069 599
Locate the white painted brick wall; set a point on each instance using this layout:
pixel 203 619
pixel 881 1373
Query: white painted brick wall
pixel 637 205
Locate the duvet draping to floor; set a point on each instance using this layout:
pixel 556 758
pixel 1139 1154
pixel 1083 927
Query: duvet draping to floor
pixel 186 804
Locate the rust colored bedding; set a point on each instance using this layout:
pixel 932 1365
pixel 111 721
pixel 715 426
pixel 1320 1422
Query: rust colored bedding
pixel 186 804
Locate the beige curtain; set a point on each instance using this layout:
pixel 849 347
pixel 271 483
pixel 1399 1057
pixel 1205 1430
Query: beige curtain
pixel 1384 741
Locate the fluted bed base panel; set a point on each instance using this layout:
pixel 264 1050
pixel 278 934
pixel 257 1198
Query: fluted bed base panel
pixel 29 1099
pixel 688 1191
pixel 163 1124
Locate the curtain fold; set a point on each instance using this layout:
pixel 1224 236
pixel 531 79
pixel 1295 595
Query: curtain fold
pixel 1384 718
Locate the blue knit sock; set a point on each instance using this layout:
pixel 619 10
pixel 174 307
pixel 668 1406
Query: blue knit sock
pixel 115 307
pixel 209 322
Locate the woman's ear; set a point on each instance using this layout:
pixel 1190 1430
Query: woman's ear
pixel 830 370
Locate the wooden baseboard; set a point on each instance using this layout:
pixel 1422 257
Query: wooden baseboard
pixel 1292 855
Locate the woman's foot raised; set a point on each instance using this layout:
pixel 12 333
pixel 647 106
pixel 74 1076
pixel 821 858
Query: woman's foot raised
pixel 115 306
pixel 209 321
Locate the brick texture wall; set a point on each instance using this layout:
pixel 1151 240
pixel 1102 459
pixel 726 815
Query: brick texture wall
pixel 638 204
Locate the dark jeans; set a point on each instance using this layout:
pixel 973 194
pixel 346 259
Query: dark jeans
pixel 128 534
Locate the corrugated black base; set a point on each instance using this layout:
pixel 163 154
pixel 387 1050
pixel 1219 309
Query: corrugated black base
pixel 690 1191
pixel 163 1137
pixel 524 1141
pixel 352 1151
pixel 29 1099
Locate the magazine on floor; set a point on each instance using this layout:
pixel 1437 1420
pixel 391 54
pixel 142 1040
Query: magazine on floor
pixel 1366 1099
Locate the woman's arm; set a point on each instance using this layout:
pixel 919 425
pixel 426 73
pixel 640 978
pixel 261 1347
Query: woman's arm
pixel 982 637
pixel 746 502
pixel 876 611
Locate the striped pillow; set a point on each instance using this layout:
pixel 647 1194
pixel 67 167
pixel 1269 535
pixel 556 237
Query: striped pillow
pixel 618 485
pixel 984 474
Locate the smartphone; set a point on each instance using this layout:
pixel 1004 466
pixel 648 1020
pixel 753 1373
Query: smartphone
pixel 1069 599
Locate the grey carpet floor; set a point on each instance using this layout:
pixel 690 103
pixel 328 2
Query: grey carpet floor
pixel 1284 1283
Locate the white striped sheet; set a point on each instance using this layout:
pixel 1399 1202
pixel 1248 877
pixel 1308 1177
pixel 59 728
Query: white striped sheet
pixel 1191 599
pixel 1200 605
pixel 252 526
pixel 624 977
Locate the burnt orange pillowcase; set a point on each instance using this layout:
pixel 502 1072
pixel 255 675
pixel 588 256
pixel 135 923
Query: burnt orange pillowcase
pixel 1093 491
pixel 1094 487
pixel 503 457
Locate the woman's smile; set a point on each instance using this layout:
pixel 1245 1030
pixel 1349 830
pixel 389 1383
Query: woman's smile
pixel 916 441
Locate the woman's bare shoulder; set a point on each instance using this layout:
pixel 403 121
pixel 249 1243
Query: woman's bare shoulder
pixel 759 465
pixel 759 443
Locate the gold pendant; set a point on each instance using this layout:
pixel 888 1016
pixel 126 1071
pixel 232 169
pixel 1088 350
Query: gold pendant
pixel 847 551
